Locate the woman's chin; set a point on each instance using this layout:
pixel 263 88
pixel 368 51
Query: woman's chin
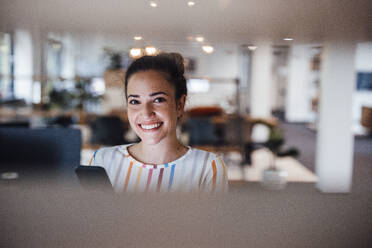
pixel 146 140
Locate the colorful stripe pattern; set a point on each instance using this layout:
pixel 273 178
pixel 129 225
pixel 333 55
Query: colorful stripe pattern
pixel 197 170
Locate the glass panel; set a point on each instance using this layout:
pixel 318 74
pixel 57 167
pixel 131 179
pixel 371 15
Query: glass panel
pixel 5 66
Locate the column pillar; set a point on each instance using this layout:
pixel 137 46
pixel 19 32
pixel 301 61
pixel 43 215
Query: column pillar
pixel 23 65
pixel 245 77
pixel 335 141
pixel 260 105
pixel 298 98
pixel 38 59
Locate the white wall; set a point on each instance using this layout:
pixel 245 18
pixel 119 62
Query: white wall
pixel 300 85
pixel 363 63
pixel 279 77
pixel 245 70
pixel 89 55
pixel 300 88
pixel 221 93
pixel 69 50
pixel 222 65
pixel 23 65
pixel 68 69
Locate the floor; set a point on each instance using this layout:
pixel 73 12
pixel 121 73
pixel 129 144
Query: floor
pixel 300 136
pixel 319 220
pixel 291 169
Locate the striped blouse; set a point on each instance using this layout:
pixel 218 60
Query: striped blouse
pixel 197 170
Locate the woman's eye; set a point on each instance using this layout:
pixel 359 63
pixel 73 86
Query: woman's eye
pixel 159 100
pixel 133 102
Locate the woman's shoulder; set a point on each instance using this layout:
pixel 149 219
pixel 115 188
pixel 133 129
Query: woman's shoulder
pixel 211 159
pixel 118 148
pixel 213 170
pixel 103 152
pixel 107 149
pixel 204 154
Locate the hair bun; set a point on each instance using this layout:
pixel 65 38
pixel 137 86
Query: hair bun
pixel 178 60
pixel 170 64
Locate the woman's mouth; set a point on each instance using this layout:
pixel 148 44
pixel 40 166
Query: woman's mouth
pixel 149 127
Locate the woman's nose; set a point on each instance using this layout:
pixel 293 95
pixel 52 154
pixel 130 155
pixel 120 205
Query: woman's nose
pixel 148 110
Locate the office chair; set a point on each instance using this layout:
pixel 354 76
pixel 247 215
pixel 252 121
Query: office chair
pixel 201 131
pixel 108 130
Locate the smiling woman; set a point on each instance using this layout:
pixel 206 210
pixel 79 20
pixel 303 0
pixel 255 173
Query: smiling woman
pixel 155 89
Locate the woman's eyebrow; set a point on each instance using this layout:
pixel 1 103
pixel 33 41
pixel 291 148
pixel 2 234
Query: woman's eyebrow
pixel 158 93
pixel 136 96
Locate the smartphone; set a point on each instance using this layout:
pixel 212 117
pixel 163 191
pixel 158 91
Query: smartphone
pixel 93 177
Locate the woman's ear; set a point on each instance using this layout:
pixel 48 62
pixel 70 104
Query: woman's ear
pixel 181 105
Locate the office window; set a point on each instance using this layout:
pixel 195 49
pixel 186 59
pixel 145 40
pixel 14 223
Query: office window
pixel 196 85
pixel 54 59
pixel 6 73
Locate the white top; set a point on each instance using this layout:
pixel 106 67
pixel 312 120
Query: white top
pixel 197 170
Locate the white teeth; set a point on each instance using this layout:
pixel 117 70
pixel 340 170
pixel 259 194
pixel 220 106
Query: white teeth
pixel 147 127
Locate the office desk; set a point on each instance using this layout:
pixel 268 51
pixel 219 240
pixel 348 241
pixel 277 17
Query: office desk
pixel 35 175
pixel 59 215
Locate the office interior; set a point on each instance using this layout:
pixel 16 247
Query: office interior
pixel 281 90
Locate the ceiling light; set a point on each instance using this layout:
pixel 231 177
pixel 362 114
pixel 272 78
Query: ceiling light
pixel 56 45
pixel 153 4
pixel 288 39
pixel 138 37
pixel 199 39
pixel 3 48
pixel 135 52
pixel 208 49
pixel 251 47
pixel 191 3
pixel 150 50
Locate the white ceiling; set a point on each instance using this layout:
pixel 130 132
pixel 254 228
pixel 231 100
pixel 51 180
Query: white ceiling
pixel 232 21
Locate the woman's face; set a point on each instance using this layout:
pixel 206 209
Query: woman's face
pixel 152 107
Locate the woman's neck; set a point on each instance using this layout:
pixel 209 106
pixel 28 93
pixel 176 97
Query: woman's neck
pixel 161 153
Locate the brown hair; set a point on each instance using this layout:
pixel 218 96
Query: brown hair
pixel 169 64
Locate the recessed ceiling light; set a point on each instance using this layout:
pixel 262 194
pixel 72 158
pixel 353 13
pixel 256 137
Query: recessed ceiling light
pixel 251 47
pixel 190 3
pixel 138 37
pixel 288 39
pixel 153 4
pixel 150 50
pixel 199 39
pixel 135 52
pixel 208 49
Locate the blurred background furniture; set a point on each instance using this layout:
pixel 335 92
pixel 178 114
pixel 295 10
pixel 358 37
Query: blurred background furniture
pixel 212 129
pixel 274 143
pixel 46 146
pixel 63 121
pixel 15 123
pixel 366 120
pixel 108 130
pixel 200 127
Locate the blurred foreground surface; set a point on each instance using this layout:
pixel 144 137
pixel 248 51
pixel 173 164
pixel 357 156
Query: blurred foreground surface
pixel 63 215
